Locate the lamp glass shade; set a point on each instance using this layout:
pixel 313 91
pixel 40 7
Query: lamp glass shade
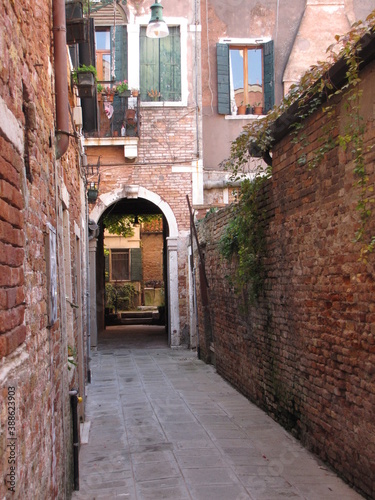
pixel 157 29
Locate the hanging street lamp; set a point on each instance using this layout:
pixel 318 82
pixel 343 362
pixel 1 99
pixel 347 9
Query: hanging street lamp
pixel 157 27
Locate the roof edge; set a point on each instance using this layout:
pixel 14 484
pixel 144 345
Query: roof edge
pixel 337 75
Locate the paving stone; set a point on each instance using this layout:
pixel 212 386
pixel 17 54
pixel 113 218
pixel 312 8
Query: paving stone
pixel 165 426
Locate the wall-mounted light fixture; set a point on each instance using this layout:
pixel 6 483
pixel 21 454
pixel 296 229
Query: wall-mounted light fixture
pixel 157 27
pixel 92 181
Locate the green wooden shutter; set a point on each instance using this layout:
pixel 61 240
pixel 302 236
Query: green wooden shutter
pixel 106 267
pixel 269 83
pixel 170 65
pixel 149 64
pixel 121 74
pixel 223 79
pixel 121 53
pixel 136 264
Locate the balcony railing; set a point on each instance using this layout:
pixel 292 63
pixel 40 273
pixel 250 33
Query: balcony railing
pixel 117 114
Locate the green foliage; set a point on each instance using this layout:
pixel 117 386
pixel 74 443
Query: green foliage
pixel 119 297
pixel 123 224
pixel 119 224
pixel 315 90
pixel 72 356
pixel 84 69
pixel 243 240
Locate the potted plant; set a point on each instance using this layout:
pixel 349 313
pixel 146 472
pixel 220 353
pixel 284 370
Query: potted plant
pixel 108 93
pixel 84 78
pixel 154 94
pixel 258 109
pixel 99 90
pixel 123 89
pixel 135 92
pixel 241 110
pixel 248 109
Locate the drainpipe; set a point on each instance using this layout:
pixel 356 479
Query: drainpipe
pixel 61 79
pixel 74 400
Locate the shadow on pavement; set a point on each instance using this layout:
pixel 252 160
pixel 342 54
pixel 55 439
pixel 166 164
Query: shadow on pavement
pixel 134 336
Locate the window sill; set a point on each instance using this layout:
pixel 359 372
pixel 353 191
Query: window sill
pixel 110 141
pixel 243 117
pixel 163 104
pixel 130 144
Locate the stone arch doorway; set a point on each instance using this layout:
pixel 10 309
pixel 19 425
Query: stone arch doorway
pixel 139 193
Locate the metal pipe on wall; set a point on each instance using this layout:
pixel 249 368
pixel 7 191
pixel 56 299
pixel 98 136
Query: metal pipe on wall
pixel 61 79
pixel 74 405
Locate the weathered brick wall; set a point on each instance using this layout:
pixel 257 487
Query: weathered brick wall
pixel 33 357
pixel 167 134
pixel 305 352
pixel 152 256
pixel 172 181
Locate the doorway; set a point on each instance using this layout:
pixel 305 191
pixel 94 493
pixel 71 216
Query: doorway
pixel 147 293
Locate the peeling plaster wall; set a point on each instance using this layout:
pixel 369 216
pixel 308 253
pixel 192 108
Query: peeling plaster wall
pixel 282 22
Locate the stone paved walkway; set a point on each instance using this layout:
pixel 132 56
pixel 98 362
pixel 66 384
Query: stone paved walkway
pixel 164 425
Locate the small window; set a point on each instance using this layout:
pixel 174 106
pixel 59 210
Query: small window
pixel 103 54
pixel 245 75
pixel 107 68
pixel 120 265
pixel 246 67
pixel 160 66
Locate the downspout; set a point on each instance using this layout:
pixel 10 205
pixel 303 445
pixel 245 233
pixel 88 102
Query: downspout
pixel 61 79
pixel 74 400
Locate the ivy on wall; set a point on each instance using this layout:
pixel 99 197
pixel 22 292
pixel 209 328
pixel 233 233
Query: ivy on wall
pixel 244 236
pixel 243 240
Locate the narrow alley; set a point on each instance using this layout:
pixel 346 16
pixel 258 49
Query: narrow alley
pixel 164 425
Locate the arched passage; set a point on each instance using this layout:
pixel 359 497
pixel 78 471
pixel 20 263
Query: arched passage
pixel 133 192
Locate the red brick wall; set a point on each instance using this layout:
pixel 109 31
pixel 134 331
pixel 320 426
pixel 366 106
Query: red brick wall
pixel 167 134
pixel 12 295
pixel 33 357
pixel 305 352
pixel 166 151
pixel 152 257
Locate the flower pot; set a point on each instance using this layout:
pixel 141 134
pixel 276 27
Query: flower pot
pixel 258 110
pixel 125 93
pixel 107 97
pixel 135 93
pixel 85 84
pixel 85 78
pixel 241 110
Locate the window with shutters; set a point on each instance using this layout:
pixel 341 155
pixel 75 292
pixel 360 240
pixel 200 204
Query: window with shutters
pixel 111 53
pixel 120 265
pixel 245 76
pixel 160 66
pixel 124 264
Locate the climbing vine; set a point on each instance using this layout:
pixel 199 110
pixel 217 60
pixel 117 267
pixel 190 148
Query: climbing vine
pixel 314 91
pixel 243 240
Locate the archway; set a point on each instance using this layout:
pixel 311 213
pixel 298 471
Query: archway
pixel 135 192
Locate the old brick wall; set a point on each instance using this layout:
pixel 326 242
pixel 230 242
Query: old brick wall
pixel 167 150
pixel 34 379
pixel 152 257
pixel 305 351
